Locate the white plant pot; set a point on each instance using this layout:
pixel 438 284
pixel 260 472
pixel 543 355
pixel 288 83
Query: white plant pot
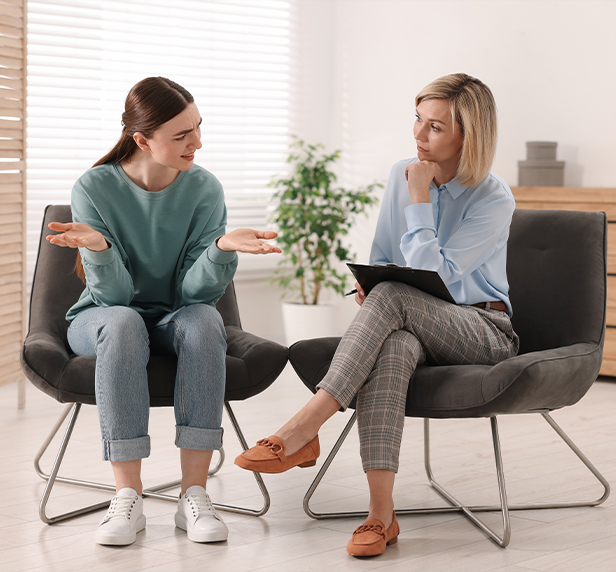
pixel 305 321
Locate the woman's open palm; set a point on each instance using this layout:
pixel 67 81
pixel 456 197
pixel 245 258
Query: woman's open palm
pixel 76 234
pixel 248 240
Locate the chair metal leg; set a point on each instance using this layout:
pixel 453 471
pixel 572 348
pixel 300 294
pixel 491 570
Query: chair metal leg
pixel 258 478
pixel 468 511
pixel 321 474
pixel 49 438
pixel 589 466
pixel 101 486
pixel 53 475
pixel 151 492
pixel 457 506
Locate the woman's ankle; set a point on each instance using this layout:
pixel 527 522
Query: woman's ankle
pixel 304 426
pixel 296 438
pixel 127 474
pixel 138 488
pixel 384 514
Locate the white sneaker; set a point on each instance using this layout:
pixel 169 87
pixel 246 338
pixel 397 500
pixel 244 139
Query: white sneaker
pixel 124 519
pixel 199 518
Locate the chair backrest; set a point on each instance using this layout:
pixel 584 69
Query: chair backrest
pixel 556 266
pixel 56 286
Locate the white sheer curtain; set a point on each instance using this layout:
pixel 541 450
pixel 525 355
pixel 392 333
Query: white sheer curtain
pixel 235 56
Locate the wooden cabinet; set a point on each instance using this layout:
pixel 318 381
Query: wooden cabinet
pixel 584 199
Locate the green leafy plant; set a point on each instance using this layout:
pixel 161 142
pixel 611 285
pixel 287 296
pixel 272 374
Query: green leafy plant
pixel 312 216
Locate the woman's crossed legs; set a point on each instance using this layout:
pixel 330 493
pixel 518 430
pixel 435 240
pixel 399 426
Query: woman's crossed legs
pixel 397 328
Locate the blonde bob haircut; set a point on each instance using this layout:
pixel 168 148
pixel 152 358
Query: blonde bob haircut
pixel 473 109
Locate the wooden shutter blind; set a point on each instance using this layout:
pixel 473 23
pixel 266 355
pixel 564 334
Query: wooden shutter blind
pixel 12 186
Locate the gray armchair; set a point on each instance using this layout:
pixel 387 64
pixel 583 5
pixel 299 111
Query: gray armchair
pixel 252 364
pixel 557 274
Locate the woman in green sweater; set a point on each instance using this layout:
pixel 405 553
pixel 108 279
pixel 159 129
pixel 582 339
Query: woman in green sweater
pixel 155 259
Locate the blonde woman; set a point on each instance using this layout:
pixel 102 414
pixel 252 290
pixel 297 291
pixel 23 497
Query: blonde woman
pixel 443 211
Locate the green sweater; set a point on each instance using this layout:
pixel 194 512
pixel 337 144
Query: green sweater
pixel 162 254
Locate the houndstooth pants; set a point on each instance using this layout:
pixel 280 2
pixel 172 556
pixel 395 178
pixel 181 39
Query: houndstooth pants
pixel 396 329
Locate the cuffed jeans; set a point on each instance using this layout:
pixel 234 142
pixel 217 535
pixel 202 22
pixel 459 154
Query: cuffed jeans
pixel 121 339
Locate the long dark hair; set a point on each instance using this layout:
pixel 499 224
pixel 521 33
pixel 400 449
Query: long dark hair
pixel 150 103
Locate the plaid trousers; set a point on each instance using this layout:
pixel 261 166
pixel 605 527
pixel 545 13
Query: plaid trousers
pixel 396 329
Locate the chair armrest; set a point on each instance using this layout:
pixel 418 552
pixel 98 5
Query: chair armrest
pixel 43 359
pixel 261 360
pixel 547 379
pixel 251 348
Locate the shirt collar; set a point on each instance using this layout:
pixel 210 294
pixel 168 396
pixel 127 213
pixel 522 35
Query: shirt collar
pixel 454 187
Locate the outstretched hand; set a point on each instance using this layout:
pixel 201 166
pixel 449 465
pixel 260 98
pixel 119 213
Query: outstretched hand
pixel 248 240
pixel 76 234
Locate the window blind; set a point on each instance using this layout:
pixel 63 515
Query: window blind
pixel 234 56
pixel 12 189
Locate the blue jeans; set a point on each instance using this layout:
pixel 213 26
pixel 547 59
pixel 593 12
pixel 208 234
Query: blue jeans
pixel 121 340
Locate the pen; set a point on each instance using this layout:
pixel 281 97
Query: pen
pixel 354 291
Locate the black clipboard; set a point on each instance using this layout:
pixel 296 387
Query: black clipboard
pixel 428 281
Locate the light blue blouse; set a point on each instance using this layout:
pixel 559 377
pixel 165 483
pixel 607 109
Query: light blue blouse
pixel 461 234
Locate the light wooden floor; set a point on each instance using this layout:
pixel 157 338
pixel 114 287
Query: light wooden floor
pixel 537 466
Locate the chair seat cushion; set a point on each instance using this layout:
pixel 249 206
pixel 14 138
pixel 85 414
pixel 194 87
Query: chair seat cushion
pixel 252 364
pixel 535 381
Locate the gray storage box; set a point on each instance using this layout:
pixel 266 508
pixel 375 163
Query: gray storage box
pixel 541 168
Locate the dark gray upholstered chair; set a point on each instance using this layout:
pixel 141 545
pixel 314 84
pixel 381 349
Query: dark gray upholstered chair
pixel 557 275
pixel 252 363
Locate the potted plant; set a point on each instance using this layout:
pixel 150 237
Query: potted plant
pixel 312 216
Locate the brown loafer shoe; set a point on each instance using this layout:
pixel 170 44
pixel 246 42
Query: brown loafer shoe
pixel 268 456
pixel 371 538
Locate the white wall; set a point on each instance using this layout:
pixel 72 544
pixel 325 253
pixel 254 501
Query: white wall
pixel 550 63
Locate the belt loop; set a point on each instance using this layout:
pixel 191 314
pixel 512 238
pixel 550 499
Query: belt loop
pixel 488 305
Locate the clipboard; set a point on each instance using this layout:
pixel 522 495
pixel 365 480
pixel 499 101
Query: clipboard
pixel 428 281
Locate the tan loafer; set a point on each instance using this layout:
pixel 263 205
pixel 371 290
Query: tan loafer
pixel 268 456
pixel 371 538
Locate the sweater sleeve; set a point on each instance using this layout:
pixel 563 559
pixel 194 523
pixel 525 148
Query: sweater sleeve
pixel 107 280
pixel 207 270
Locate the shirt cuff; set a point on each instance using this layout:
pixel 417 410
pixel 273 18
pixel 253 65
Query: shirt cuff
pixel 419 216
pixel 103 258
pixel 218 256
